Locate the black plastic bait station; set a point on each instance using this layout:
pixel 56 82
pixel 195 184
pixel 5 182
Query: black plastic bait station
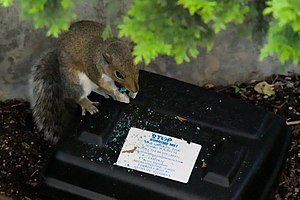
pixel 174 141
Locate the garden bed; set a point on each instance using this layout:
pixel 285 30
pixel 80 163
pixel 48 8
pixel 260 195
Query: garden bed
pixel 23 153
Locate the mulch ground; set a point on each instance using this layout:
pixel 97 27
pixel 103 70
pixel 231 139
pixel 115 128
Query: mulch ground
pixel 23 153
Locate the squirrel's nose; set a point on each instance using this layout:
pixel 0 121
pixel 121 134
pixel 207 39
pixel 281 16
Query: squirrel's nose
pixel 134 88
pixel 132 95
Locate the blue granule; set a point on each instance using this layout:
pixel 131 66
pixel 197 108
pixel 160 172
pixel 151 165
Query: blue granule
pixel 123 89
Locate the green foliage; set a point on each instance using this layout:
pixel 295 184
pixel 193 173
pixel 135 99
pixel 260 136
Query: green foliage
pixel 284 42
pixel 238 89
pixel 53 14
pixel 178 28
pixel 107 32
pixel 285 12
pixel 6 3
pixel 111 12
pixel 284 31
pixel 162 27
pixel 219 13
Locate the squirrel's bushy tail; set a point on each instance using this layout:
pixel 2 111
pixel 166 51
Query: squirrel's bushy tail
pixel 47 97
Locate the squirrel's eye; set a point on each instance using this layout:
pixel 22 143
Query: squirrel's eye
pixel 119 75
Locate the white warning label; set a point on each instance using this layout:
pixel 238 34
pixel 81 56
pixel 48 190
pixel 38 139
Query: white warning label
pixel 158 154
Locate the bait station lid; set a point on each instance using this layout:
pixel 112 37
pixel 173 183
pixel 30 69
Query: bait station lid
pixel 174 141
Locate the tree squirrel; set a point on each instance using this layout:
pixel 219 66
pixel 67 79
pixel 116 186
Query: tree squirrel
pixel 81 63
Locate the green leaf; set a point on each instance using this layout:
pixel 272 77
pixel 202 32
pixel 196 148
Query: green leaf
pixel 66 4
pixel 236 89
pixel 193 52
pixel 283 42
pixel 107 32
pixel 6 3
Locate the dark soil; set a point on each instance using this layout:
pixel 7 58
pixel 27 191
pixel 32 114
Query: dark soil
pixel 23 152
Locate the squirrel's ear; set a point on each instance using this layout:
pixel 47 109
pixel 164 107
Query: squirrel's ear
pixel 107 57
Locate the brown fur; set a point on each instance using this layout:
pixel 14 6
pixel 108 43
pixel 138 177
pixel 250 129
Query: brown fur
pixel 69 72
pixel 81 48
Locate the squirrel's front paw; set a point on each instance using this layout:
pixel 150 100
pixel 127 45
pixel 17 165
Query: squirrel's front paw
pixel 122 97
pixel 87 105
pixel 91 109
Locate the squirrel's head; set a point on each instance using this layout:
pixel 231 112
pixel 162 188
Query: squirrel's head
pixel 120 66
